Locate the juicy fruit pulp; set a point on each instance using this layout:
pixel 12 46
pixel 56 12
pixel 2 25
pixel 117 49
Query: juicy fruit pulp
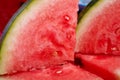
pixel 56 70
pixel 108 67
pixel 98 31
pixel 43 34
pixel 63 72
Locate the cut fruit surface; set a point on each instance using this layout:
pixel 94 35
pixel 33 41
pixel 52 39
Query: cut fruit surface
pixel 108 67
pixel 42 34
pixel 64 72
pixel 98 30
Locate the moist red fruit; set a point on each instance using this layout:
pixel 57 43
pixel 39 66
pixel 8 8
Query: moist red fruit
pixel 39 46
pixel 98 30
pixel 98 36
pixel 43 34
pixel 107 67
pixel 63 72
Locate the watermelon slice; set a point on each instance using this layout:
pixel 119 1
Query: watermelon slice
pixel 63 72
pixel 42 34
pixel 98 30
pixel 108 67
pixel 7 9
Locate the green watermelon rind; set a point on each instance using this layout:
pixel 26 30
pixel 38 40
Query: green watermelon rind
pixel 24 9
pixel 18 16
pixel 86 11
pixel 11 21
pixel 93 9
pixel 83 15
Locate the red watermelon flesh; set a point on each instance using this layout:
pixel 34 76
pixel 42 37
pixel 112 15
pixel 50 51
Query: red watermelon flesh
pixel 63 72
pixel 7 9
pixel 98 31
pixel 108 67
pixel 42 35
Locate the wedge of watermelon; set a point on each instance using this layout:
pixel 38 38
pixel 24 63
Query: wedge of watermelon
pixel 108 67
pixel 98 30
pixel 63 72
pixel 42 34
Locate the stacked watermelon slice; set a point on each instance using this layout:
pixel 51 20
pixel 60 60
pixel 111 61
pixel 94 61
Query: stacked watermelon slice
pixel 40 41
pixel 98 39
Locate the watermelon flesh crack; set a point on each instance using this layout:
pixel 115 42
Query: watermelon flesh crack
pixel 107 67
pixel 98 30
pixel 64 72
pixel 43 34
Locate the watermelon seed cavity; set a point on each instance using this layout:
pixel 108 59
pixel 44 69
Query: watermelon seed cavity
pixel 67 18
pixel 117 31
pixel 59 72
pixel 111 47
